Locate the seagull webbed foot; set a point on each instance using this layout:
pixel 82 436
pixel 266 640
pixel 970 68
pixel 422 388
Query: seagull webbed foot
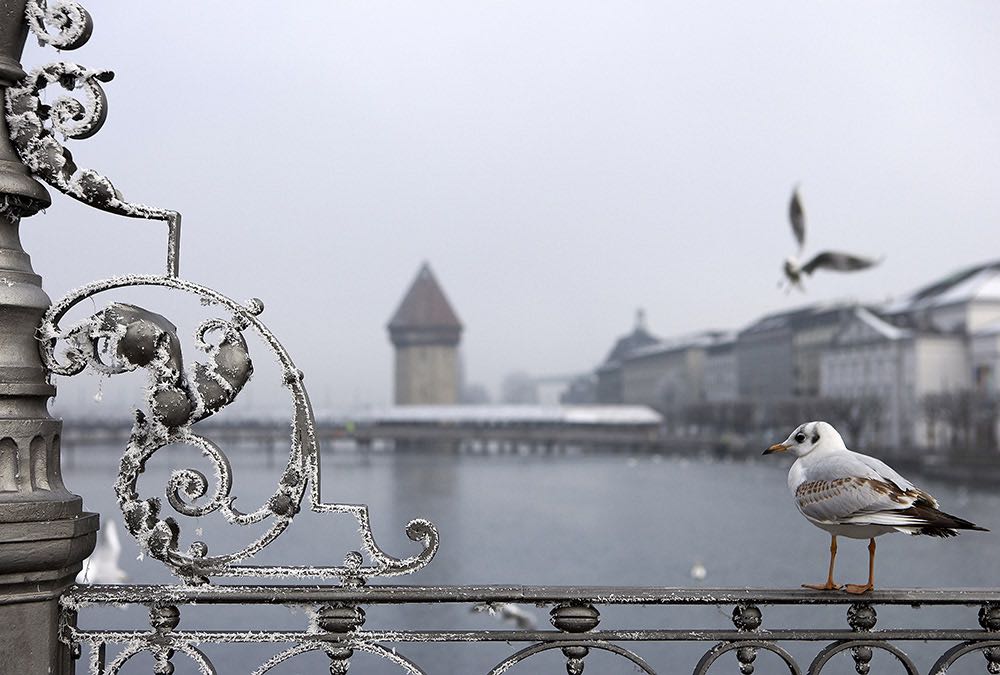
pixel 858 589
pixel 828 586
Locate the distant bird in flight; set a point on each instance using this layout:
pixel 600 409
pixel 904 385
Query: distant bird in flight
pixel 508 611
pixel 857 496
pixel 831 260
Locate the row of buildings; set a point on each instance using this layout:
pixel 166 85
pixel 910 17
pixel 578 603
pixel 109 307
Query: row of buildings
pixel 915 372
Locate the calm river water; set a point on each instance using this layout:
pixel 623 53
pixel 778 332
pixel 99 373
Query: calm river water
pixel 595 519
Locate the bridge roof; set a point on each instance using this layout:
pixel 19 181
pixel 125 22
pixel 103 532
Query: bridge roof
pixel 599 415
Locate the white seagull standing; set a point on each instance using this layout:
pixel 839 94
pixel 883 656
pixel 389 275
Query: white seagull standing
pixel 831 260
pixel 854 495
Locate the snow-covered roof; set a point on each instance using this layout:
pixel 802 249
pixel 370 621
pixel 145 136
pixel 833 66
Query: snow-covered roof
pixel 702 339
pixel 981 282
pixel 880 325
pixel 797 318
pixel 511 414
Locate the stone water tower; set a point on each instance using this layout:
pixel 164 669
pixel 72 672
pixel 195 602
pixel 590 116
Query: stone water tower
pixel 425 332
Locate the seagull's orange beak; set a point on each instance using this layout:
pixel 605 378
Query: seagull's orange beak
pixel 777 447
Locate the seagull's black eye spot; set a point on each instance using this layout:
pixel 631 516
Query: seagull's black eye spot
pixel 815 438
pixel 799 438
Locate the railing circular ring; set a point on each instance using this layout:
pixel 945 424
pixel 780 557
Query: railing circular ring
pixel 941 666
pixel 375 649
pixel 532 650
pixel 711 656
pixel 196 655
pixel 832 650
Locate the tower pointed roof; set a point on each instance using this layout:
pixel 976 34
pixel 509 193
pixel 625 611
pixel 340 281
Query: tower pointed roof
pixel 425 316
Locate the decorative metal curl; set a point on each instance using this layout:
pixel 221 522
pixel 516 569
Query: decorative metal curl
pixel 73 23
pixel 528 652
pixel 712 655
pixel 124 337
pixel 832 650
pixel 32 124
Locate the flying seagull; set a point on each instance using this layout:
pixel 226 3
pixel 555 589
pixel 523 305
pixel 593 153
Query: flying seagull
pixel 508 611
pixel 831 260
pixel 853 495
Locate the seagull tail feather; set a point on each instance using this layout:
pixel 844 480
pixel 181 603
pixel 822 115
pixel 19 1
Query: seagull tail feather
pixel 937 523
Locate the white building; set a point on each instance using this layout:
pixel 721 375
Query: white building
pixel 778 356
pixel 984 349
pixel 721 381
pixel 871 359
pixel 669 374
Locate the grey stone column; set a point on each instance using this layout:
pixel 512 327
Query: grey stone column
pixel 44 533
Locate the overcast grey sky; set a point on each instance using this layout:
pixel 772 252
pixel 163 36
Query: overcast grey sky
pixel 558 163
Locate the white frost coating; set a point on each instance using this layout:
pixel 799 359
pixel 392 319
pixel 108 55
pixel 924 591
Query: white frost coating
pixel 71 21
pixel 144 644
pixel 375 649
pixel 29 121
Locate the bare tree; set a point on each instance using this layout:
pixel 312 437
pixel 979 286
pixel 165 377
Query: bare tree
pixel 955 411
pixel 853 416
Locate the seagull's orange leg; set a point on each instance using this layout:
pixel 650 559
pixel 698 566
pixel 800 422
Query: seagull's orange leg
pixel 864 588
pixel 829 585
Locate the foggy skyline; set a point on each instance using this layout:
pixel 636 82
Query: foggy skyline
pixel 559 165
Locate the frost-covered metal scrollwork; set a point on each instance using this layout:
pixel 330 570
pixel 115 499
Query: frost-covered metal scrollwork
pixel 122 338
pixel 340 663
pixel 34 124
pixel 70 21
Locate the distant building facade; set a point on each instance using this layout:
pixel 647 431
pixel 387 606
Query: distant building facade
pixel 426 332
pixel 778 356
pixel 721 385
pixel 609 373
pixel 582 390
pixel 668 375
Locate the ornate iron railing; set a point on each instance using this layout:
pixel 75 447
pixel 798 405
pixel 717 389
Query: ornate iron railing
pixel 121 338
pixel 337 617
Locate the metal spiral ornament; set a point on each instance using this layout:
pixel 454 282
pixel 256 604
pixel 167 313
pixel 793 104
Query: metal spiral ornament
pixel 72 23
pixel 123 338
pixel 34 124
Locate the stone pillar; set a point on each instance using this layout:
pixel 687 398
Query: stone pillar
pixel 44 533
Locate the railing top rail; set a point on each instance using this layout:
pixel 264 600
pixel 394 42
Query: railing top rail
pixel 604 595
pixel 630 635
